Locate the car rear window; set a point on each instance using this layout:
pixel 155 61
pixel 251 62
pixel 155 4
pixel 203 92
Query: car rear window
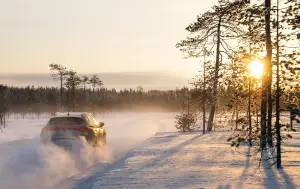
pixel 66 121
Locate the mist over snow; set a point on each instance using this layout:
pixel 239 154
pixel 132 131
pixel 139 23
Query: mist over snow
pixel 25 163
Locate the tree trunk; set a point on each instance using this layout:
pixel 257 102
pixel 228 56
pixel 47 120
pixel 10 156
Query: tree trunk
pixel 263 115
pixel 249 96
pixel 256 111
pixel 74 98
pixel 4 120
pixel 61 93
pixel 265 79
pixel 291 119
pixel 236 116
pixel 94 101
pixel 204 117
pixel 278 135
pixel 211 117
pixel 270 73
pixel 249 114
pixel 69 100
pixel 233 114
pixel 204 94
pixel 216 77
pixel 84 97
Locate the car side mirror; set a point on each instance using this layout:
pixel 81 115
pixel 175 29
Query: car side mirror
pixel 101 124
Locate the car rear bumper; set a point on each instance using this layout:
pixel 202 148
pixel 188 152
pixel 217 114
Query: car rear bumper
pixel 68 144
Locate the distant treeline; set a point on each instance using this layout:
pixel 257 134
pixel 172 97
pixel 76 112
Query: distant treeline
pixel 40 100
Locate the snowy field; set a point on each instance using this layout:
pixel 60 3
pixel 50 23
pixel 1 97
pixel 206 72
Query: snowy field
pixel 25 164
pixel 192 160
pixel 144 151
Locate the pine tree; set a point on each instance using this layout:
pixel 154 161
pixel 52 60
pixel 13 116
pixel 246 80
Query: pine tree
pixel 59 72
pixel 72 83
pixel 214 28
pixel 95 82
pixel 85 80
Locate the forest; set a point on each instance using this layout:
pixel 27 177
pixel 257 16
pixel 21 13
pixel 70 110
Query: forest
pixel 250 49
pixel 31 100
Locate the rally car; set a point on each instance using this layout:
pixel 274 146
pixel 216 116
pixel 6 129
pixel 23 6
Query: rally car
pixel 65 128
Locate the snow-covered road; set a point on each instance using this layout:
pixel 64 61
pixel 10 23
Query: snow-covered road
pixel 192 160
pixel 25 164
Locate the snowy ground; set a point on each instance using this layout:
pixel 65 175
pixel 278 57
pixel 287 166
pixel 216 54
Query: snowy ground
pixel 144 151
pixel 192 160
pixel 26 164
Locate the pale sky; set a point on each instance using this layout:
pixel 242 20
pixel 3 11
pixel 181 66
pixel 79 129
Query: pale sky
pixel 96 35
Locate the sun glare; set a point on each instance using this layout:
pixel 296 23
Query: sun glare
pixel 256 68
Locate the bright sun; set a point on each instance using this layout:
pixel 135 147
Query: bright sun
pixel 256 68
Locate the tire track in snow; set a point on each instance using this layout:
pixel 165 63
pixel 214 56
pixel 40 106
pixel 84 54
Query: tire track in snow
pixel 130 134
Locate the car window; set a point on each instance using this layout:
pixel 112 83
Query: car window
pixel 66 121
